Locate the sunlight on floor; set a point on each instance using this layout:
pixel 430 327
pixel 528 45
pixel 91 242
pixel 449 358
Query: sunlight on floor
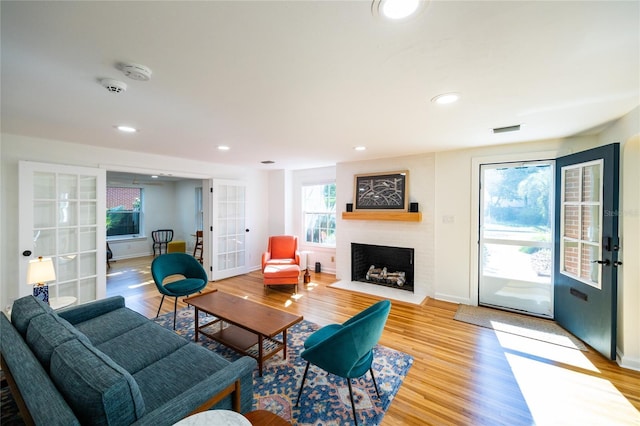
pixel 564 395
pixel 141 284
pixel 534 334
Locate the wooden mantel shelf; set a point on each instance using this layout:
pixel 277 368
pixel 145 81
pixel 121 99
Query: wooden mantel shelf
pixel 378 215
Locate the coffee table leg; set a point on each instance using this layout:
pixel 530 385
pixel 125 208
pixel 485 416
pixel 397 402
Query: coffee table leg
pixel 260 357
pixel 196 324
pixel 284 344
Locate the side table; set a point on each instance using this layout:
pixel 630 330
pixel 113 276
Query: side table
pixel 61 302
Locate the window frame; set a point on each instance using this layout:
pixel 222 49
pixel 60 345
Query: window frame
pixel 331 213
pixel 140 210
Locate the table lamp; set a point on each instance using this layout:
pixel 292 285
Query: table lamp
pixel 40 272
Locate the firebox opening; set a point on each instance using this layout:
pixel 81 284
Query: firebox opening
pixel 382 265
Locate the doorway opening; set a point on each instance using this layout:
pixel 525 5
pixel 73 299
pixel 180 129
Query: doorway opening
pixel 516 237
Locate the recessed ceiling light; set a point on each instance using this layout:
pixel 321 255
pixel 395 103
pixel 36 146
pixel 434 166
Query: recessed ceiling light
pixel 223 148
pixel 397 9
pixel 360 148
pixel 446 98
pixel 127 129
pixel 154 177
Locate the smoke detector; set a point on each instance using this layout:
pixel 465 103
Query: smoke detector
pixel 136 71
pixel 113 86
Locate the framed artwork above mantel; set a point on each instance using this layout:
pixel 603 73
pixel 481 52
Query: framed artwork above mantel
pixel 381 191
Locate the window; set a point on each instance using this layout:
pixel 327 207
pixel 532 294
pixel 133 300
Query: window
pixel 319 210
pixel 123 211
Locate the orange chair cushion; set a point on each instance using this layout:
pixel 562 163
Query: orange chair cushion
pixel 283 247
pixel 281 274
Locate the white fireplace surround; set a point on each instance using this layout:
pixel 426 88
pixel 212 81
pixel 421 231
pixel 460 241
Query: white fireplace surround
pixel 419 235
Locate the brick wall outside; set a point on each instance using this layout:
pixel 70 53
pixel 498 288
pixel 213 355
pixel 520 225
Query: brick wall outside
pixel 125 197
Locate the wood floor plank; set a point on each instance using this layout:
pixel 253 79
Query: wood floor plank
pixel 462 374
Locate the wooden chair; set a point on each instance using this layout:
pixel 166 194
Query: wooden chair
pixel 197 249
pixel 161 237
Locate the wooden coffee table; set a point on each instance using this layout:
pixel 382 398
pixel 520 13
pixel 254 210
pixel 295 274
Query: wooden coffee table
pixel 243 324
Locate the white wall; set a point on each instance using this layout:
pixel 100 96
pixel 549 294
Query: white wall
pixel 15 148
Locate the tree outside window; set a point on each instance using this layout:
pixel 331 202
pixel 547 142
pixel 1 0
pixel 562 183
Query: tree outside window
pixel 319 210
pixel 123 211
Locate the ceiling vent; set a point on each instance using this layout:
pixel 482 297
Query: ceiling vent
pixel 114 86
pixel 506 129
pixel 136 71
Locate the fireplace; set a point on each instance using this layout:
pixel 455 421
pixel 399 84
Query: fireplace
pixel 382 265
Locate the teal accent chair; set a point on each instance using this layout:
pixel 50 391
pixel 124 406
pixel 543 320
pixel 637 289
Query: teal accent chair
pixel 346 349
pixel 194 277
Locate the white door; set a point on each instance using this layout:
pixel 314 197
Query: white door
pixel 229 229
pixel 516 237
pixel 62 216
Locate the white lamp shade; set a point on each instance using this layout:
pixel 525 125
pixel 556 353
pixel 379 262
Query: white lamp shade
pixel 40 271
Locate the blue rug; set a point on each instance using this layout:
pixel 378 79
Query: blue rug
pixel 325 398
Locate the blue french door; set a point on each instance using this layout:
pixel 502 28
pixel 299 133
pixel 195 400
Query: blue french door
pixel 586 246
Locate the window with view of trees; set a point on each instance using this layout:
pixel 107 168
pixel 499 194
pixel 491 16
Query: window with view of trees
pixel 123 211
pixel 319 211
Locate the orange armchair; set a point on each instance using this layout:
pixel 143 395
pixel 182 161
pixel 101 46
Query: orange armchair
pixel 282 250
pixel 281 261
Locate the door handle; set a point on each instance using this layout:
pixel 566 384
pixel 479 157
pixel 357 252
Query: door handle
pixel 617 263
pixel 605 262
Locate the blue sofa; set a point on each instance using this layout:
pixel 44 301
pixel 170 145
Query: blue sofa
pixel 101 363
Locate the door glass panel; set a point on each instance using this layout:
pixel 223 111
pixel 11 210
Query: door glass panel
pixel 67 186
pixel 68 213
pixel 581 210
pixel 87 239
pixel 44 185
pixel 87 212
pixel 67 240
pixel 516 237
pixel 44 214
pixel 44 243
pixel 87 265
pixel 88 186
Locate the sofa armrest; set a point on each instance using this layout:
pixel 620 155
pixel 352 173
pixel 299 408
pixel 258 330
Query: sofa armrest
pixel 191 401
pixel 266 256
pixel 35 391
pixel 87 311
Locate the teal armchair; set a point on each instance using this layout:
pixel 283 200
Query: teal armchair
pixel 346 349
pixel 194 277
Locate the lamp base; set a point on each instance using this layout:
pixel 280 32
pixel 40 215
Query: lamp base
pixel 41 292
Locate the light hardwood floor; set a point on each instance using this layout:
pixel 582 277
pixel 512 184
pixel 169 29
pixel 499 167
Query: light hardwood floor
pixel 462 374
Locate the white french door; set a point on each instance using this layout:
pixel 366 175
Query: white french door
pixel 516 237
pixel 62 216
pixel 228 254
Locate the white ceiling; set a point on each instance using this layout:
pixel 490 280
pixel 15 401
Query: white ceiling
pixel 303 82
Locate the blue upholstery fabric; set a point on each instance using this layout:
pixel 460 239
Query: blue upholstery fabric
pixel 90 379
pixel 347 351
pixel 86 311
pixel 99 391
pixel 26 308
pixel 112 324
pixel 46 332
pixel 47 406
pixel 158 343
pixel 178 264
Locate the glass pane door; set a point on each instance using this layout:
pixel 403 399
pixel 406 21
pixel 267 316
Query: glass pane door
pixel 229 232
pixel 62 217
pixel 516 216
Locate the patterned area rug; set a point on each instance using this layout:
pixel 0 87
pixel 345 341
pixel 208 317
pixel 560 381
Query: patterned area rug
pixel 325 398
pixel 522 325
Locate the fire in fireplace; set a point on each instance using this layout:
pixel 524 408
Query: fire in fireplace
pixel 382 265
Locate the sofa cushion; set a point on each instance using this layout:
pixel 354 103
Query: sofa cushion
pixel 111 324
pixel 25 309
pixel 46 332
pixel 183 369
pixel 158 343
pixel 99 391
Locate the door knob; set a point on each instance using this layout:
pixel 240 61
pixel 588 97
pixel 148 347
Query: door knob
pixel 617 263
pixel 26 253
pixel 605 262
